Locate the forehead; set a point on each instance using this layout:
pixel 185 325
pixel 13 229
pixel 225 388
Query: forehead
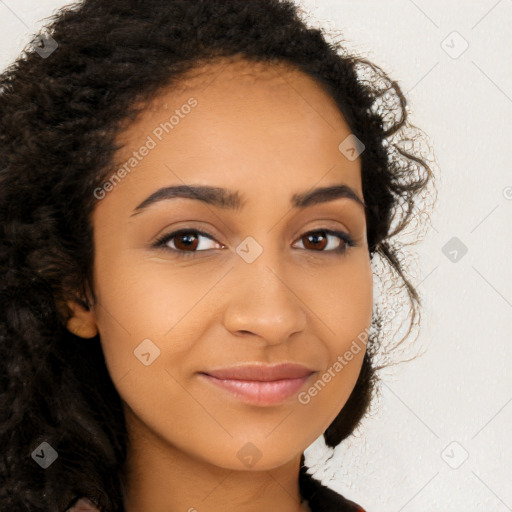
pixel 268 123
pixel 226 75
pixel 229 86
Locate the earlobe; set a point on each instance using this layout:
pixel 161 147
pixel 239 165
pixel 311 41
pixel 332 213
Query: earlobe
pixel 82 327
pixel 80 320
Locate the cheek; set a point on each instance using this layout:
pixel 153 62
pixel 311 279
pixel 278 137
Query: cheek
pixel 139 306
pixel 342 301
pixel 341 306
pixel 148 339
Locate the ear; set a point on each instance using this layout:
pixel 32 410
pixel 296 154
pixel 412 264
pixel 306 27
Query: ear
pixel 81 321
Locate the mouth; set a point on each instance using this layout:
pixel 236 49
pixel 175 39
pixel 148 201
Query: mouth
pixel 261 372
pixel 260 385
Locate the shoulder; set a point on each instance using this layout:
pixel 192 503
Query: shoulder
pixel 352 506
pixel 322 498
pixel 327 500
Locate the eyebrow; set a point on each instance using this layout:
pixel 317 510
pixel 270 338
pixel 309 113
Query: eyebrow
pixel 232 200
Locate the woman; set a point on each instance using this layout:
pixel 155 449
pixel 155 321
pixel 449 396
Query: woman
pixel 193 194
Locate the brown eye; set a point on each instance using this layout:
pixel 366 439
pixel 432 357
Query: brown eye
pixel 317 241
pixel 185 241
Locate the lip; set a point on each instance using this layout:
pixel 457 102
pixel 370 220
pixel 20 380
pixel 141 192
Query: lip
pixel 260 384
pixel 261 372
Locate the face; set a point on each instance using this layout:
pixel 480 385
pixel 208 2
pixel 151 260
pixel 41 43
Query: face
pixel 264 277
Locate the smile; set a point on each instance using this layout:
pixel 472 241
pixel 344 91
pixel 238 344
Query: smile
pixel 259 392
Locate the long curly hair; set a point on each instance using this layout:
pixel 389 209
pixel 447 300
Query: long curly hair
pixel 59 118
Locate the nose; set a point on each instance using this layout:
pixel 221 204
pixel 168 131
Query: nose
pixel 264 300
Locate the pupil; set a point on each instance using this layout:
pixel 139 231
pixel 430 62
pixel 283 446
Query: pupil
pixel 187 237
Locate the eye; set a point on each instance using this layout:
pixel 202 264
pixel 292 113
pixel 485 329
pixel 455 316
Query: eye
pixel 319 238
pixel 186 242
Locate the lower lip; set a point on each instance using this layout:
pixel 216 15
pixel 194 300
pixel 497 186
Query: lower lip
pixel 260 393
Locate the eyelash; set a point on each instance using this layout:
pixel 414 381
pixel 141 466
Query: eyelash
pixel 164 239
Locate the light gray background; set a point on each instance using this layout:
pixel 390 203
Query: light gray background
pixel 454 401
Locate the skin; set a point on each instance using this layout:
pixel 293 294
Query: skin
pixel 269 132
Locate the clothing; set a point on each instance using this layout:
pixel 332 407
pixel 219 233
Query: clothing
pixel 83 505
pixel 322 498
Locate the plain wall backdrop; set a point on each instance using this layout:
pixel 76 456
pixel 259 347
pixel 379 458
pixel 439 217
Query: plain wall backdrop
pixel 438 441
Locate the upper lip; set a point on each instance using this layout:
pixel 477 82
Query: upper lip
pixel 261 372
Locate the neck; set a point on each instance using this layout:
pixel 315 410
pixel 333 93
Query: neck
pixel 161 478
